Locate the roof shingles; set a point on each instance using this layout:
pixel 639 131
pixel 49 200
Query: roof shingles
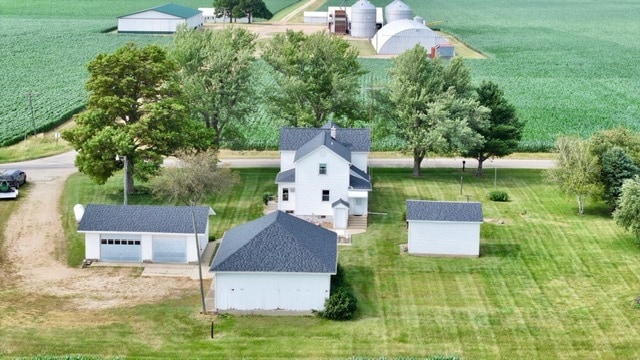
pixel 424 210
pixel 277 242
pixel 143 219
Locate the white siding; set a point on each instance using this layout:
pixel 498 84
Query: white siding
pixel 309 183
pixel 195 21
pixel 156 22
pixel 360 160
pixel 91 246
pixel 359 206
pixel 271 291
pixel 286 160
pixel 290 204
pixel 444 238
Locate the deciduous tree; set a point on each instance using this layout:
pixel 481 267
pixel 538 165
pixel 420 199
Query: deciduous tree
pixel 317 75
pixel 431 114
pixel 215 70
pixel 616 168
pixel 132 111
pixel 503 131
pixel 576 171
pixel 195 176
pixel 242 8
pixel 627 213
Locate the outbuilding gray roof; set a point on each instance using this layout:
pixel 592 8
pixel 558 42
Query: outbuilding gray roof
pixel 143 219
pixel 444 211
pixel 287 176
pixel 277 242
pixel 292 138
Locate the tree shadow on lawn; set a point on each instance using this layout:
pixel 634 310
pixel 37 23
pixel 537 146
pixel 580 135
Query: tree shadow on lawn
pixel 499 250
pixel 361 281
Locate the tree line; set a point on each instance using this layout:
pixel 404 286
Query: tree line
pixel 149 102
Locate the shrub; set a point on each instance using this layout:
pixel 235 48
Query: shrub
pixel 498 195
pixel 266 197
pixel 341 305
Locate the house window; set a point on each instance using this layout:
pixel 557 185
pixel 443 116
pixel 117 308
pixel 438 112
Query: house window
pixel 285 194
pixel 325 195
pixel 323 169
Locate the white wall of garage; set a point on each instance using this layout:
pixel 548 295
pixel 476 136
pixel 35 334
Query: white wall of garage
pixel 271 291
pixel 92 244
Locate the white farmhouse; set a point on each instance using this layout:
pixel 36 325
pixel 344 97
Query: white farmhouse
pixel 444 228
pixel 323 173
pixel 144 233
pixel 160 20
pixel 276 262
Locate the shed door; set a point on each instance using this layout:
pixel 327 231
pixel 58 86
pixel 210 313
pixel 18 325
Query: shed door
pixel 120 248
pixel 169 249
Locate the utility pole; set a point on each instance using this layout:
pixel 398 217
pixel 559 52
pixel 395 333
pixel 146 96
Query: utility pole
pixel 31 94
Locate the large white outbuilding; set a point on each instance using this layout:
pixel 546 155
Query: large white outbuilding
pixel 144 233
pixel 276 262
pixel 163 19
pixel 401 35
pixel 444 228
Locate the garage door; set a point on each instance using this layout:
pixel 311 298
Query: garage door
pixel 169 250
pixel 120 249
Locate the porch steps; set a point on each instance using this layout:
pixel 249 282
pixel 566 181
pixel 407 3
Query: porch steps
pixel 357 222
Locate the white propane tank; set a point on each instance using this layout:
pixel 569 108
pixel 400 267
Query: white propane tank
pixel 78 211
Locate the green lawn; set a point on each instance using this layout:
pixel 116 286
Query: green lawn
pixel 549 284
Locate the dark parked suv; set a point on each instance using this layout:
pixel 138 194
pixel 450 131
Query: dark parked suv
pixel 14 177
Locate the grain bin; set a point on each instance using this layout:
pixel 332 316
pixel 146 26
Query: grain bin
pixel 363 19
pixel 397 10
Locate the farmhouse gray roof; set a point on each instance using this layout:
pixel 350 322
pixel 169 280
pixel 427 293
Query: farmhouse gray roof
pixel 287 176
pixel 323 139
pixel 277 242
pixel 143 219
pixel 444 211
pixel 171 9
pixel 292 138
pixel 359 179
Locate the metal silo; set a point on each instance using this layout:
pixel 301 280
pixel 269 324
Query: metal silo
pixel 363 19
pixel 419 19
pixel 397 10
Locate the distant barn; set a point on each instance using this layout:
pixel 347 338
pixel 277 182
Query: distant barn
pixel 160 20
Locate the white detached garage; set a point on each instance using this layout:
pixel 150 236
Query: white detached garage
pixel 276 262
pixel 144 233
pixel 444 228
pixel 160 20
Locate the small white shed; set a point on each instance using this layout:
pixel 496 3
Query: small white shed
pixel 160 20
pixel 276 262
pixel 144 233
pixel 444 228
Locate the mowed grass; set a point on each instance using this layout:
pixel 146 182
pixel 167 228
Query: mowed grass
pixel 548 284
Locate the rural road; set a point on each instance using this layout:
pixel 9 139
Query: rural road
pixel 65 162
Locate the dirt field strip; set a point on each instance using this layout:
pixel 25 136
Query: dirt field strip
pixel 35 244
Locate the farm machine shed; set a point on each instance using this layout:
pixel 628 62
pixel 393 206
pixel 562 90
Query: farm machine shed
pixel 401 35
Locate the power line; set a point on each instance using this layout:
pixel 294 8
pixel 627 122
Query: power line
pixel 31 94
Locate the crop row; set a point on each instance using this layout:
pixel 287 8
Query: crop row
pixel 568 67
